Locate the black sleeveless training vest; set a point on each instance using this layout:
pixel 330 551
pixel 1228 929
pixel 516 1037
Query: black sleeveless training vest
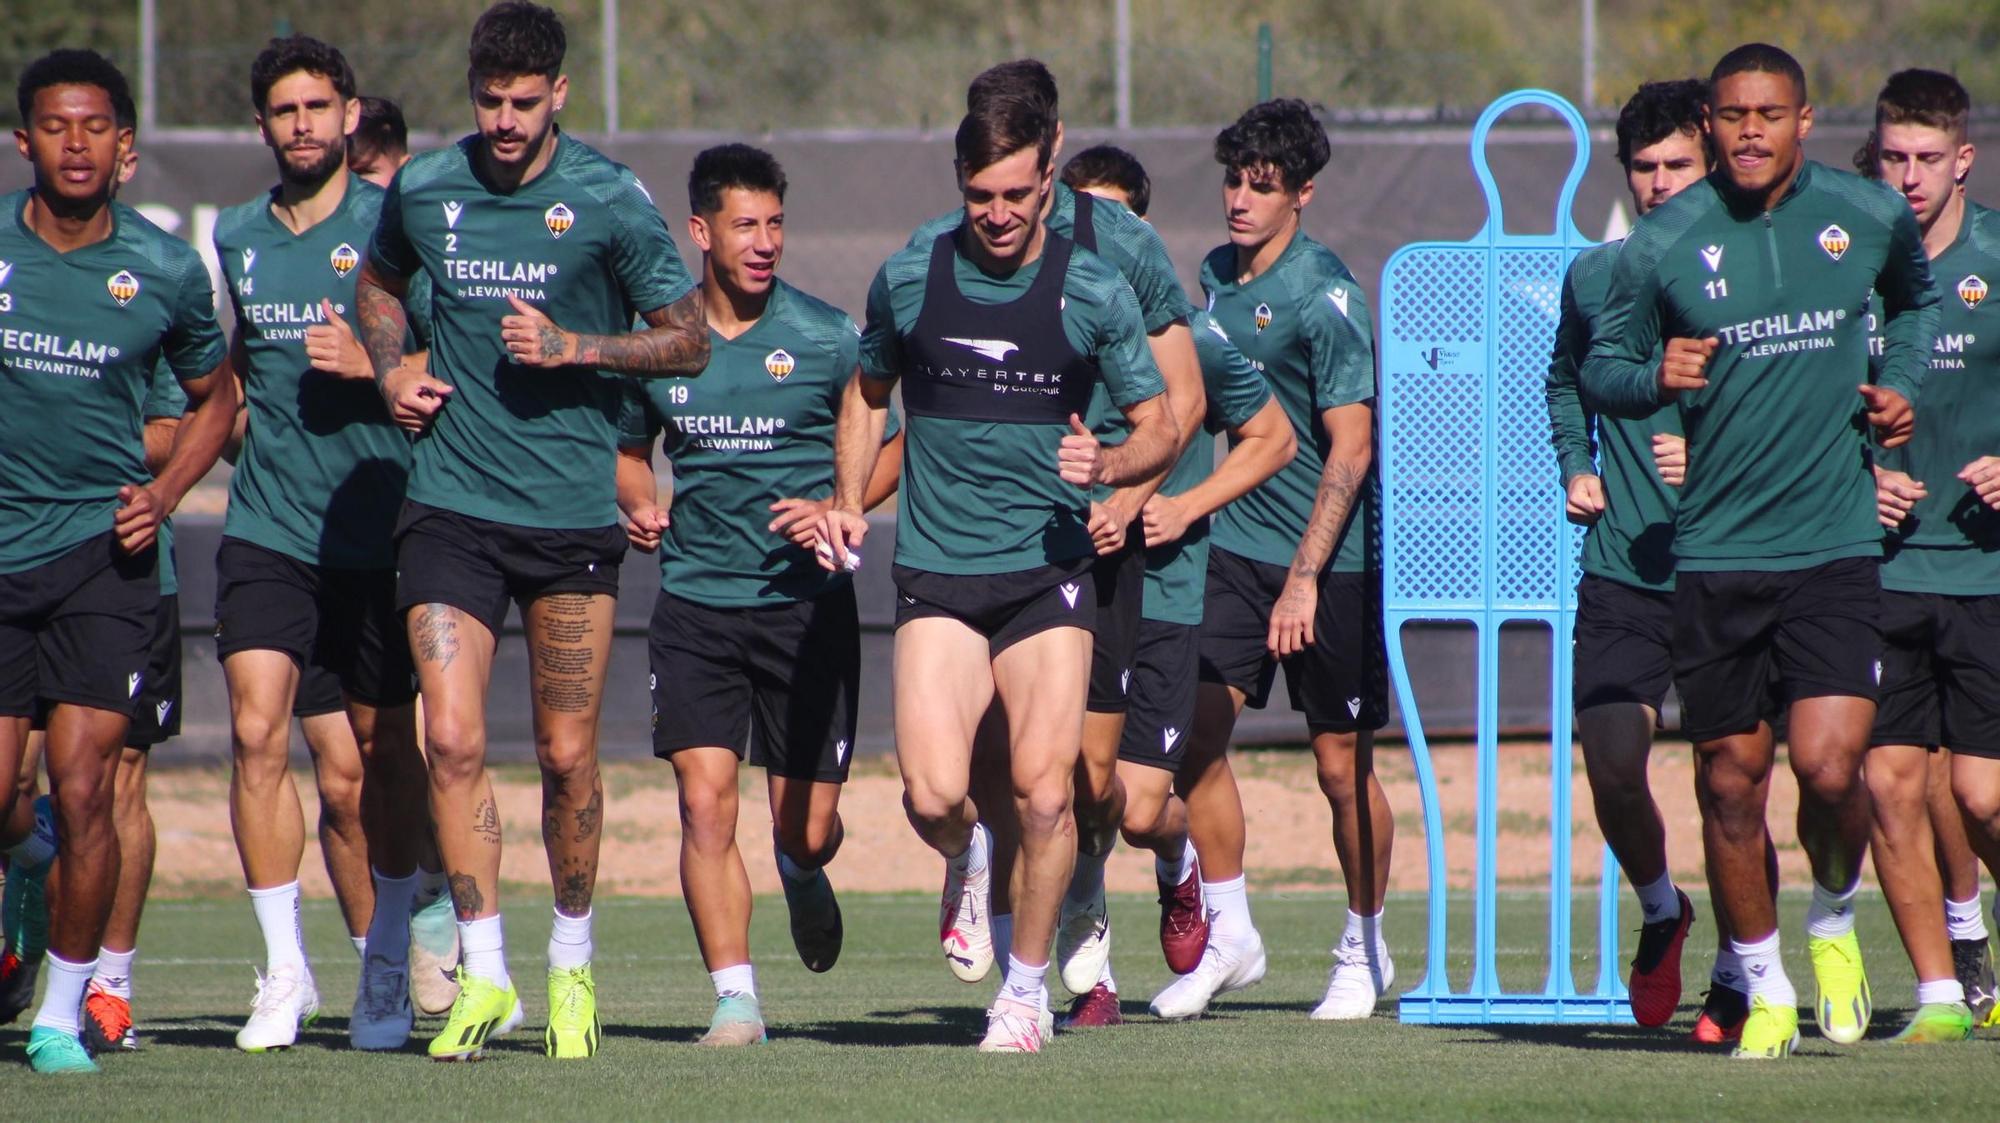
pixel 1083 226
pixel 1009 363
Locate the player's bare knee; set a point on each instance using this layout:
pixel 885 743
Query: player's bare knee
pixel 809 844
pixel 1829 778
pixel 1979 803
pixel 84 801
pixel 930 807
pixel 708 811
pixel 569 760
pixel 261 744
pixel 1043 807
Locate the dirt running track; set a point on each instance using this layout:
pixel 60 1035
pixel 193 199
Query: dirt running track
pixel 1289 844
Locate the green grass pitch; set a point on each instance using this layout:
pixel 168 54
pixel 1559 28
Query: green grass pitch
pixel 889 1035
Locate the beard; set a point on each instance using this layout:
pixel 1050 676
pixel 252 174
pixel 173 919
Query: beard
pixel 315 171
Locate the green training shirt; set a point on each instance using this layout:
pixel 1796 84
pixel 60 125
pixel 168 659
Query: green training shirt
pixel 323 468
pixel 755 428
pixel 582 242
pixel 165 398
pixel 982 497
pixel 1778 463
pixel 1951 541
pixel 79 335
pixel 1304 324
pixel 1176 571
pixel 1632 543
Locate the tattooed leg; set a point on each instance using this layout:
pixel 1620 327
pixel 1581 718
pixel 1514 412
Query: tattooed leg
pixel 569 648
pixel 454 657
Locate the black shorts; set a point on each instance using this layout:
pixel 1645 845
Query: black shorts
pixel 776 684
pixel 319 689
pixel 1165 673
pixel 158 715
pixel 1623 644
pixel 1341 682
pixel 1940 673
pixel 478 566
pixel 334 623
pixel 79 630
pixel 1809 633
pixel 1121 589
pixel 1006 608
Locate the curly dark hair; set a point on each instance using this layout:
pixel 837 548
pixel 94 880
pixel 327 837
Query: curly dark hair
pixel 1108 165
pixel 516 37
pixel 1760 58
pixel 292 54
pixel 74 67
pixel 1282 133
pixel 732 165
pixel 1659 110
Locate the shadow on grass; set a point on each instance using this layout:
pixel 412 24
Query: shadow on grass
pixel 1613 1038
pixel 666 1035
pixel 919 1025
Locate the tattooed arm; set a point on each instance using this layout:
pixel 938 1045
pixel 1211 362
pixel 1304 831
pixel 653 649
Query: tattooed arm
pixel 412 395
pixel 1350 429
pixel 674 343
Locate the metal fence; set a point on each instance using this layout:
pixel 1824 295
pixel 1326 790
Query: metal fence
pixel 874 65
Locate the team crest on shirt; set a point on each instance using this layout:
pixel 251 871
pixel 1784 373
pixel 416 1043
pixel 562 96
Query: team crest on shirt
pixel 123 285
pixel 344 259
pixel 558 219
pixel 780 363
pixel 452 210
pixel 1972 290
pixel 6 271
pixel 249 259
pixel 1834 241
pixel 1338 294
pixel 1263 315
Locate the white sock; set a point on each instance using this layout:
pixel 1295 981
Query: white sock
pixel 793 872
pixel 1104 978
pixel 978 855
pixel 389 928
pixel 277 910
pixel 482 950
pixel 114 972
pixel 1728 970
pixel 1086 878
pixel 360 946
pixel 1366 931
pixel 570 945
pixel 1003 936
pixel 62 1003
pixel 1174 872
pixel 430 885
pixel 1831 914
pixel 1765 970
pixel 1230 902
pixel 1965 920
pixel 1660 900
pixel 1940 990
pixel 1024 982
pixel 740 979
